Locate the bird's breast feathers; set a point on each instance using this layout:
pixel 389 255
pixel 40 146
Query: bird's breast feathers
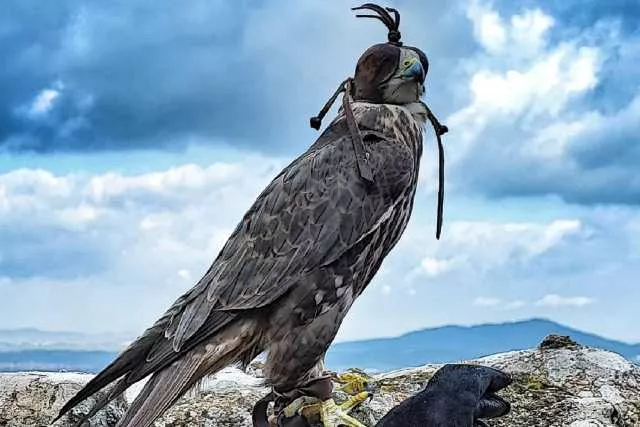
pixel 388 119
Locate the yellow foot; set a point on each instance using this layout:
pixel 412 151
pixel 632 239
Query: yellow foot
pixel 330 414
pixel 357 386
pixel 333 415
pixel 354 381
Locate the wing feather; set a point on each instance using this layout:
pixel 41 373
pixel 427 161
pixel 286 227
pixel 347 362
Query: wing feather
pixel 314 211
pixel 310 215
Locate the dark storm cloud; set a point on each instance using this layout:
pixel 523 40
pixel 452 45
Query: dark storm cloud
pixel 155 74
pixel 131 74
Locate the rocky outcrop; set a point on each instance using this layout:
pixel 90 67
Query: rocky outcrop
pixel 558 384
pixel 33 399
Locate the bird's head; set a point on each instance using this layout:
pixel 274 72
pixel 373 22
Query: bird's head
pixel 389 73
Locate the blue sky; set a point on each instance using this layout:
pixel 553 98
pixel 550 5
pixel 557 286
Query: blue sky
pixel 133 136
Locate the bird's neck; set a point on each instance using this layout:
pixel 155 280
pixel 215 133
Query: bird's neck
pixel 385 118
pixel 419 111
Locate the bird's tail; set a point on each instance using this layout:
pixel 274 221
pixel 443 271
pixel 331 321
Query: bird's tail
pixel 165 387
pixel 238 341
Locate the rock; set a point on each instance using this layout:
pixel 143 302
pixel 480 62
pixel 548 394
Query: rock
pixel 557 341
pixel 558 384
pixel 34 399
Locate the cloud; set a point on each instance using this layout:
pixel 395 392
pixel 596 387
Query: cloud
pixel 165 74
pixel 112 240
pixel 499 304
pixel 484 247
pixel 435 267
pixel 43 102
pixel 554 300
pixel 91 219
pixel 546 112
pixel 538 96
pixel 548 301
pixel 535 86
pixel 486 301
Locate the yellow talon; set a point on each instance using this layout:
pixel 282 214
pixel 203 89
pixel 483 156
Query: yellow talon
pixel 354 401
pixel 353 382
pixel 333 415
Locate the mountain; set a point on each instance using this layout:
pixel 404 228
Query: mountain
pixel 453 343
pixel 55 360
pixel 31 349
pixel 31 338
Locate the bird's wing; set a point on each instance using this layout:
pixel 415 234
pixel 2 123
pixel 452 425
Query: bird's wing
pixel 307 217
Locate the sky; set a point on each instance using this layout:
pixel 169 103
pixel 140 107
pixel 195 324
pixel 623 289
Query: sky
pixel 135 134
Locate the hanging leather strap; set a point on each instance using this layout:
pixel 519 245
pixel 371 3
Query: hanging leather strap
pixel 364 168
pixel 356 138
pixel 440 130
pixel 259 413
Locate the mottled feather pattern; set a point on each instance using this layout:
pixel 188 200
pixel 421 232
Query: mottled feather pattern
pixel 312 241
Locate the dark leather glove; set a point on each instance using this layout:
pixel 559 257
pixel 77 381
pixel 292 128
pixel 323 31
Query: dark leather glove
pixel 457 396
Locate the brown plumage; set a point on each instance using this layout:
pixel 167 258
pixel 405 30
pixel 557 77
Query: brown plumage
pixel 299 257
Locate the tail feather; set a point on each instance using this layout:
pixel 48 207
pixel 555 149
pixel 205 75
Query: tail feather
pixel 116 369
pixel 168 385
pixel 159 393
pixel 149 354
pixel 173 373
pixel 104 400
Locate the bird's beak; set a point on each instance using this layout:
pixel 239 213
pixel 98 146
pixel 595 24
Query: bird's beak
pixel 414 71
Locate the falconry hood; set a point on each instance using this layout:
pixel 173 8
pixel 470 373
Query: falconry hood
pixel 378 64
pixel 380 71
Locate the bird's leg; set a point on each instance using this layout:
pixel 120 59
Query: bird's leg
pixel 353 382
pixel 333 415
pixel 323 408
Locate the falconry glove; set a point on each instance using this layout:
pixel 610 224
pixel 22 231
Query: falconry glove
pixel 457 395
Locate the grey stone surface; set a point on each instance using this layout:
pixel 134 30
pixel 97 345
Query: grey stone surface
pixel 558 384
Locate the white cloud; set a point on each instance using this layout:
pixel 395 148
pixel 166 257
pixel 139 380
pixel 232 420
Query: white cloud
pixel 488 27
pixel 499 304
pixel 154 240
pixel 68 236
pixel 487 301
pixel 542 87
pixel 45 100
pixel 145 237
pixel 483 246
pixel 522 34
pixel 435 267
pixel 554 300
pixel 533 107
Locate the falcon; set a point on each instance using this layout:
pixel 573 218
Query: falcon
pixel 306 249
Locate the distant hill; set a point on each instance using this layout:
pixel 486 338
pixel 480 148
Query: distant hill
pixel 55 360
pixel 31 349
pixel 31 339
pixel 454 343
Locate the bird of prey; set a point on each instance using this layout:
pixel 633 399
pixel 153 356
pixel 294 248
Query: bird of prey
pixel 305 250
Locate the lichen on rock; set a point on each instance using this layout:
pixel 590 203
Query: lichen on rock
pixel 560 383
